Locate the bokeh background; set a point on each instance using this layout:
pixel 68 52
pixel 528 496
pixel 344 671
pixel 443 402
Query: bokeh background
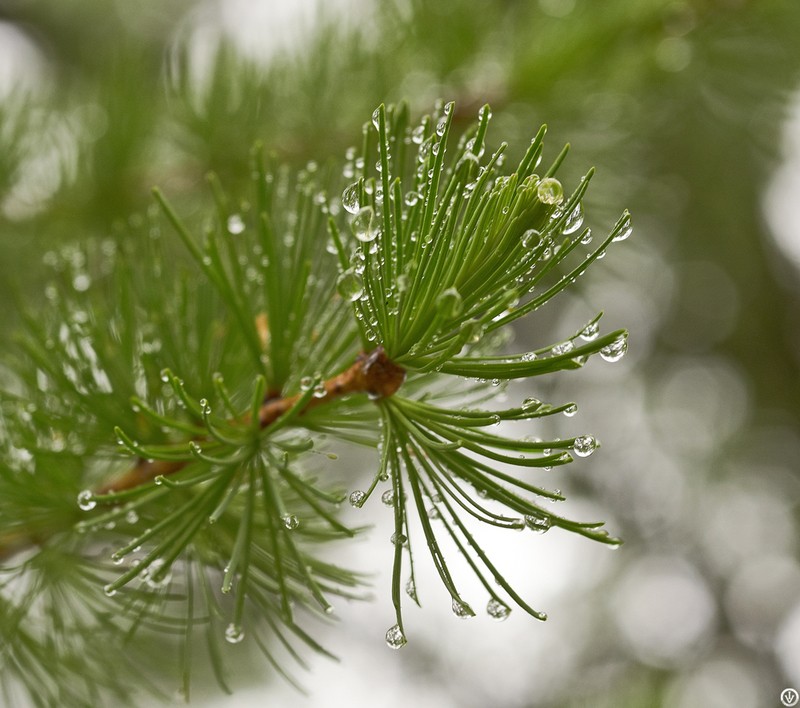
pixel 690 111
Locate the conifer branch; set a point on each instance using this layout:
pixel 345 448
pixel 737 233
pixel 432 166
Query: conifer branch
pixel 373 373
pixel 433 253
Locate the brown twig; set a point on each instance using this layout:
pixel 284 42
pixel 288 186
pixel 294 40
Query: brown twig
pixel 372 373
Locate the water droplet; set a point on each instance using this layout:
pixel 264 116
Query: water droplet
pixel 440 126
pixel 563 348
pixel 376 115
pixel 165 375
pixel 290 521
pixel 571 410
pixel 472 331
pixel 364 225
pixel 117 558
pixel 550 191
pixel 395 639
pixel 357 498
pixel 412 198
pixel 85 500
pixel 109 591
pixel 132 517
pixel 449 303
pixel 399 539
pixel 625 230
pixel 350 286
pixel 388 497
pixel 235 224
pixel 418 135
pixel 616 350
pixel 529 403
pixel 539 524
pixel 411 590
pixel 306 383
pixel 586 239
pixel 590 331
pixel 234 633
pixel 81 282
pixel 154 576
pixel 485 112
pixel 531 238
pixel 584 445
pixel 497 610
pixel 350 200
pixel 575 219
pixel 462 610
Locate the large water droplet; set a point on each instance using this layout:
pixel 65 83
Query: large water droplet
pixel 497 610
pixel 449 303
pixel 625 230
pixel 235 224
pixel 530 403
pixel 411 590
pixel 81 282
pixel 550 191
pixel 539 524
pixel 388 497
pixel 350 286
pixel 85 500
pixel 616 350
pixel 574 221
pixel 395 639
pixel 350 200
pixel 357 498
pixel 472 331
pixel 584 445
pixel 590 331
pixel 571 410
pixel 412 198
pixel 376 118
pixel 234 633
pixel 562 348
pixel 290 521
pixel 462 610
pixel 154 576
pixel 531 238
pixel 365 225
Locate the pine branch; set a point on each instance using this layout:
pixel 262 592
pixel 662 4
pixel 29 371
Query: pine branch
pixel 372 374
pixel 193 397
